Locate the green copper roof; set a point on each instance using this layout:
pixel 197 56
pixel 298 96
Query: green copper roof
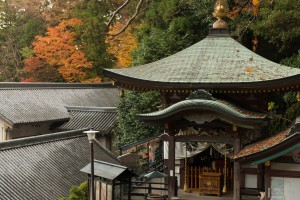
pixel 225 111
pixel 214 60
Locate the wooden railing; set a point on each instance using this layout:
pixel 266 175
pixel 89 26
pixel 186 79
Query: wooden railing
pixel 142 188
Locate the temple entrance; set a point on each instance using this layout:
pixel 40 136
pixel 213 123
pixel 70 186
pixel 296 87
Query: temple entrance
pixel 206 172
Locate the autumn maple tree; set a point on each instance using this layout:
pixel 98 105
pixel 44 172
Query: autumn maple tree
pixel 58 52
pixel 122 45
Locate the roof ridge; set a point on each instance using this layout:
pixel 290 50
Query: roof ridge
pixel 49 85
pixel 91 108
pixel 120 166
pixel 40 139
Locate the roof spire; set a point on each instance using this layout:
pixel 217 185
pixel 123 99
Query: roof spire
pixel 220 12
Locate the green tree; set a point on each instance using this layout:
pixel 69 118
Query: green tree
pixel 278 22
pixel 18 27
pixel 77 192
pixel 276 26
pixel 129 128
pixel 170 26
pixel 93 32
pixel 286 106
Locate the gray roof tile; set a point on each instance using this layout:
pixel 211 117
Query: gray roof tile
pixel 27 104
pixel 100 119
pixel 45 167
pixel 106 170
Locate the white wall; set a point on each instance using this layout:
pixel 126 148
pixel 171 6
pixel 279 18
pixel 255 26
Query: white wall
pixel 285 188
pixel 251 181
pixel 2 131
pixel 3 127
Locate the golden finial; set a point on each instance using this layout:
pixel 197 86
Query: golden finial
pixel 220 12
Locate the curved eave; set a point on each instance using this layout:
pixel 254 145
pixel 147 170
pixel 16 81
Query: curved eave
pixel 223 111
pixel 289 144
pixel 282 84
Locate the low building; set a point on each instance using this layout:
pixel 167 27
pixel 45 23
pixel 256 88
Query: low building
pixel 29 109
pixel 277 158
pixel 102 119
pixel 46 166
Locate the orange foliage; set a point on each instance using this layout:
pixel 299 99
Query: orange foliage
pixel 39 71
pixel 58 49
pixel 121 46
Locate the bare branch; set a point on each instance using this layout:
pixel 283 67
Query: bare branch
pixel 137 9
pixel 116 12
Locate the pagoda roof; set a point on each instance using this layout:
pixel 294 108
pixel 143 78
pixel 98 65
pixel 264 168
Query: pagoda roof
pixel 272 147
pixel 224 110
pixel 216 63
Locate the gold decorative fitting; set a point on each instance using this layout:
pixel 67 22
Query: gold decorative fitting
pixel 298 96
pixel 121 92
pixel 220 12
pixel 234 127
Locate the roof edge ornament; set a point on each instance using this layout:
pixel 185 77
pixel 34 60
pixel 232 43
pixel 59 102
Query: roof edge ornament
pixel 220 12
pixel 201 94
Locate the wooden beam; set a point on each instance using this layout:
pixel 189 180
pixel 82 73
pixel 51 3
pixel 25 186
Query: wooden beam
pixel 285 173
pixel 204 138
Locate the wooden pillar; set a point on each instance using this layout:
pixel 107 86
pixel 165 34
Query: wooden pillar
pixel 237 171
pixel 182 173
pixel 171 173
pixel 129 189
pixel 113 190
pixel 260 176
pixel 268 180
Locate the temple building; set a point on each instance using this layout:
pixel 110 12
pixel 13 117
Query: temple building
pixel 214 112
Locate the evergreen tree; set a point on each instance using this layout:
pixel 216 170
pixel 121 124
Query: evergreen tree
pixel 77 192
pixel 93 32
pixel 170 26
pixel 129 128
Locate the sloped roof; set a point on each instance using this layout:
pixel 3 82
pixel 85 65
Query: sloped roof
pixel 273 146
pixel 100 119
pixel 225 110
pixel 27 103
pixel 107 170
pixel 45 167
pixel 217 62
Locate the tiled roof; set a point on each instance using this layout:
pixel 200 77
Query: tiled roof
pixel 219 106
pixel 108 170
pixel 100 119
pixel 212 60
pixel 262 145
pixel 46 102
pixel 45 167
pixel 268 143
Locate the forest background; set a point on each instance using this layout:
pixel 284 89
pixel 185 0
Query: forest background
pixel 72 41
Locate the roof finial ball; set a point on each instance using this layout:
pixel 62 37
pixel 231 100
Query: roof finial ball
pixel 220 12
